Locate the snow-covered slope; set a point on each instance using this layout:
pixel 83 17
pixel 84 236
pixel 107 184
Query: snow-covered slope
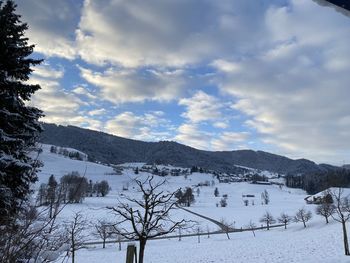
pixel 317 243
pixel 59 165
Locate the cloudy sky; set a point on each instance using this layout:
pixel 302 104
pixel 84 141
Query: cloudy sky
pixel 268 75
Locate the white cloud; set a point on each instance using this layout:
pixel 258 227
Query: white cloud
pixel 130 85
pixel 148 127
pixel 51 25
pixel 229 141
pixel 46 71
pixel 226 66
pixel 59 106
pixel 296 92
pixel 201 107
pixel 221 124
pixel 134 34
pixel 191 134
pixel 81 90
pixel 97 112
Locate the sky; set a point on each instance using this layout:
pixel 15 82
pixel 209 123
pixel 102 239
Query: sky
pixel 269 75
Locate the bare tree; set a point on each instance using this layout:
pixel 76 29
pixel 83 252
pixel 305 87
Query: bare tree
pixel 75 233
pixel 251 226
pixel 226 227
pixel 284 219
pixel 198 230
pixel 268 219
pixel 208 232
pixel 104 230
pixel 341 213
pixel 34 238
pixel 147 216
pixel 265 197
pixel 325 210
pixel 302 215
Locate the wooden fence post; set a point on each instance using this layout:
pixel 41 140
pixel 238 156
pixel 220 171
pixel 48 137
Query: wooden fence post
pixel 131 253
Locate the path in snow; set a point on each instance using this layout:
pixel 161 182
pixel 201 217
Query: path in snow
pixel 219 224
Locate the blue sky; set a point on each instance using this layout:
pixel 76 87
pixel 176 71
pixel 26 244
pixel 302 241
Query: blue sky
pixel 215 75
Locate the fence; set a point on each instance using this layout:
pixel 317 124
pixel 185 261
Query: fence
pixel 185 235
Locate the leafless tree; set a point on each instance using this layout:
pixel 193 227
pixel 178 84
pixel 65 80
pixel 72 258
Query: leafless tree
pixel 326 210
pixel 75 233
pixel 251 226
pixel 226 227
pixel 284 219
pixel 208 232
pixel 104 230
pixel 148 216
pixel 341 213
pixel 35 237
pixel 268 219
pixel 265 197
pixel 198 230
pixel 302 215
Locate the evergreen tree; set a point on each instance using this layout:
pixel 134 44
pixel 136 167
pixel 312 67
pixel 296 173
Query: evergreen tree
pixel 19 126
pixel 216 192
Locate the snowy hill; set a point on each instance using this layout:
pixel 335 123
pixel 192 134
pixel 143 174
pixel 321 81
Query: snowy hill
pixel 317 243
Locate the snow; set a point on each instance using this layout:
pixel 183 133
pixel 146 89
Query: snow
pixel 316 243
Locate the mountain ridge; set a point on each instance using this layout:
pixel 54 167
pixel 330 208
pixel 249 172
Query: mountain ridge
pixel 113 149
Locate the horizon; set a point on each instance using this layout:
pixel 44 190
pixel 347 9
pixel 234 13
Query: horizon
pixel 214 76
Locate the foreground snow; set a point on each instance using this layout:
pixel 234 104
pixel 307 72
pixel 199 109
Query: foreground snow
pixel 317 243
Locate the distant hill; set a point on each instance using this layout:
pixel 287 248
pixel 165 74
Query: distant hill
pixel 108 148
pixel 346 166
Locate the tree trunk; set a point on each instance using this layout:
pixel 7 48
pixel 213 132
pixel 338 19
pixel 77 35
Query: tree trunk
pixel 304 223
pixel 327 220
pixel 142 250
pixel 73 255
pixel 104 243
pixel 268 226
pixel 345 236
pixel 51 205
pixel 285 225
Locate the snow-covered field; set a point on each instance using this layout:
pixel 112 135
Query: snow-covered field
pixel 317 243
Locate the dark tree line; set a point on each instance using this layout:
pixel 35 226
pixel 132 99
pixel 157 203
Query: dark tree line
pixel 316 182
pixel 72 188
pixel 63 151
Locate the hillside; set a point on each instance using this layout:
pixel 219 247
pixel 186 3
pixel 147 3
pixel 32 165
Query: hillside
pixel 108 148
pixel 318 242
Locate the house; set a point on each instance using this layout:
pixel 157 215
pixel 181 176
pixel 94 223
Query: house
pixel 261 182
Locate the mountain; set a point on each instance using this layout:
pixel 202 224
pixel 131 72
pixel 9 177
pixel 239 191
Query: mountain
pixel 108 148
pixel 346 166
